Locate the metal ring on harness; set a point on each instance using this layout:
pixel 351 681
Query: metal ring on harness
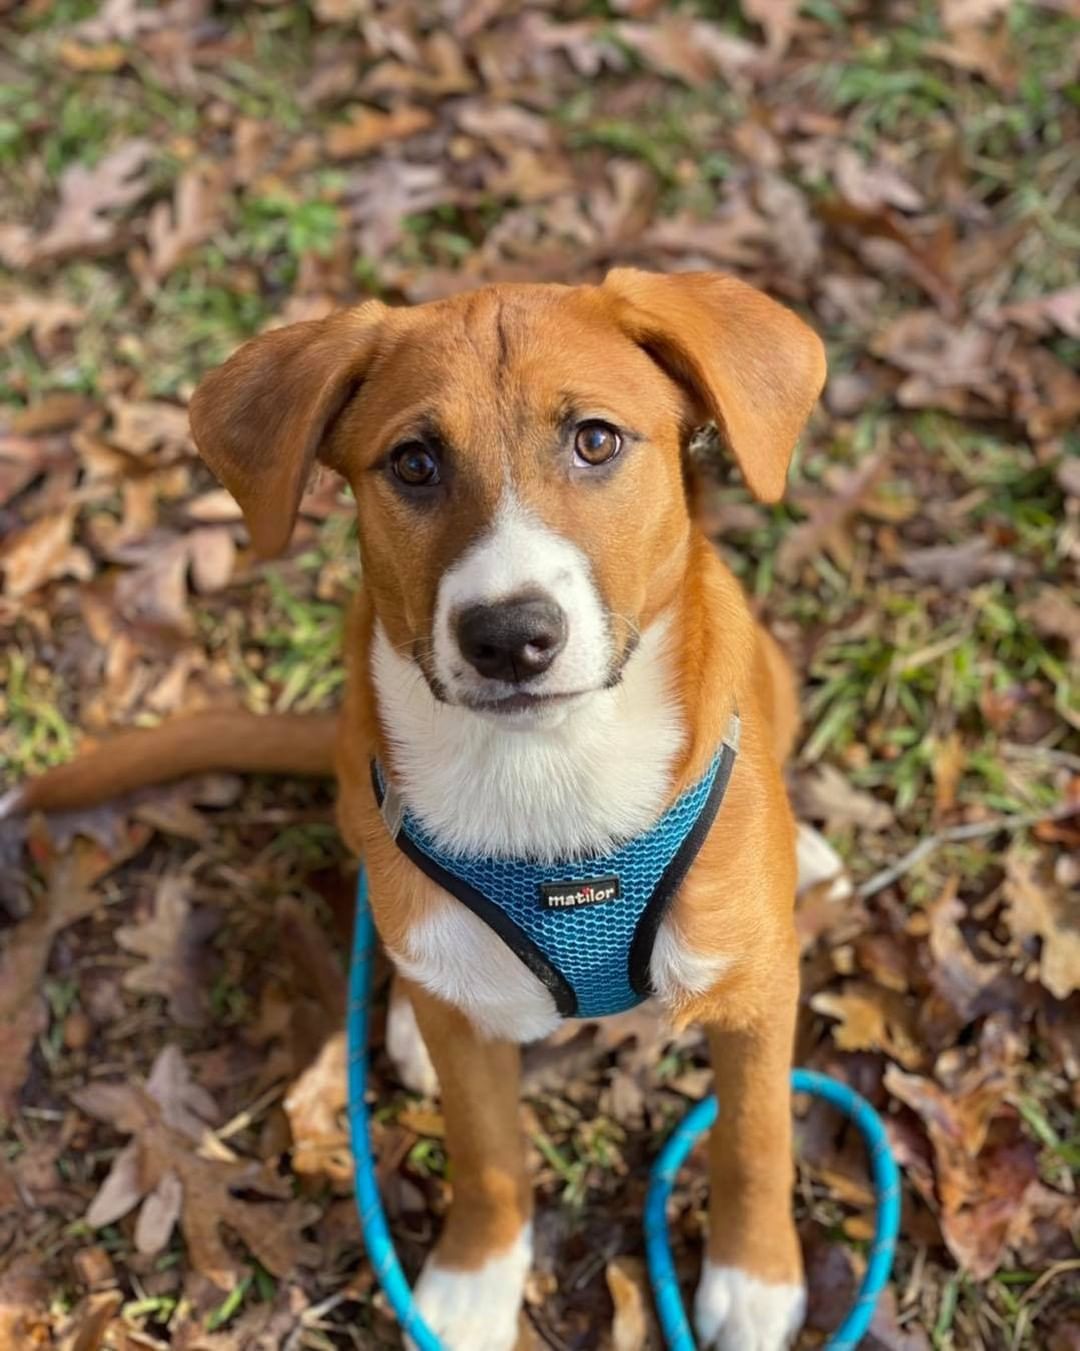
pixel 673 1321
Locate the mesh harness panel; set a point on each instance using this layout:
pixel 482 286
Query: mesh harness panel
pixel 585 926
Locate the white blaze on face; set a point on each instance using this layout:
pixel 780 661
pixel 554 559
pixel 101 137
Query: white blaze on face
pixel 520 554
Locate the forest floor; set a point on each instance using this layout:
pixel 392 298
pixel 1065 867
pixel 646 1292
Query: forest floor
pixel 174 1169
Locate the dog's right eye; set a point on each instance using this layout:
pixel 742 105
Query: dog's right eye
pixel 414 465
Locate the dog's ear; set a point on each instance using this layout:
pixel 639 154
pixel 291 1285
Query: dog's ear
pixel 749 364
pixel 262 419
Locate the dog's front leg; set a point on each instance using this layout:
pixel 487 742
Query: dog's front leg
pixel 751 1295
pixel 471 1288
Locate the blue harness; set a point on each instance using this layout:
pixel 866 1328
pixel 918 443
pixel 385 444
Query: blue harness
pixel 585 927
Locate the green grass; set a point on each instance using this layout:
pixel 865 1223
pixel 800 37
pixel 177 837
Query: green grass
pixel 33 732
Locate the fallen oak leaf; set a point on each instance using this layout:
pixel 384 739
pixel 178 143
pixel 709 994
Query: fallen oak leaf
pixel 633 1325
pixel 24 1301
pixel 827 795
pixel 947 767
pixel 43 552
pixel 1039 910
pixel 957 975
pixel 1055 614
pixel 692 50
pixel 315 1106
pixel 86 1326
pixel 103 59
pixel 985 1169
pixel 81 225
pixel 197 211
pixel 67 897
pixel 161 1162
pixel 958 567
pixel 870 1018
pixel 777 18
pixel 829 516
pixel 369 128
pixel 172 939
pixel 40 316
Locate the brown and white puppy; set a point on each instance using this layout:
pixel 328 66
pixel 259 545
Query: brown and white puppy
pixel 519 454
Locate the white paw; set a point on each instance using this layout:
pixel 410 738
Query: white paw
pixel 737 1312
pixel 476 1310
pixel 406 1047
pixel 818 862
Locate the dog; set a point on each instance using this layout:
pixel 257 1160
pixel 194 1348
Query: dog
pixel 547 661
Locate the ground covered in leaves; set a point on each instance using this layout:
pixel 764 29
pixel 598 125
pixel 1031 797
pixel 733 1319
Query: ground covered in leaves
pixel 178 176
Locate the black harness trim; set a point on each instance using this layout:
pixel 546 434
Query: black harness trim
pixel 515 938
pixel 672 878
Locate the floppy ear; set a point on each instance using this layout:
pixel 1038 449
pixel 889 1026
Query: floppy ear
pixel 751 365
pixel 260 420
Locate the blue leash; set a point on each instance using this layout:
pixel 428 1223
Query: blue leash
pixel 673 1320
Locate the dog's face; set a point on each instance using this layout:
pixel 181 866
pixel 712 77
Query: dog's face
pixel 517 456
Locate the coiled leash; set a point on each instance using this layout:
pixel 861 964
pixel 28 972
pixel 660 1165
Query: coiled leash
pixel 673 1320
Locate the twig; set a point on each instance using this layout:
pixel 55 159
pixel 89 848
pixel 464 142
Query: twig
pixel 956 835
pixel 1013 750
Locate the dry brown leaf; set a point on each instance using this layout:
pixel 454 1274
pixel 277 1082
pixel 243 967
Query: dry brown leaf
pixel 67 898
pixel 216 507
pixel 22 458
pixel 827 795
pixel 173 940
pixel 1055 614
pixel 947 766
pixel 213 555
pixel 633 1324
pixel 872 1019
pixel 40 316
pixel 958 15
pixel 24 1302
pixel 369 128
pixel 830 516
pixel 955 972
pixel 315 1105
pixel 958 567
pixel 159 1115
pixel 1040 911
pixel 82 223
pixel 874 185
pixel 692 50
pixel 197 212
pixel 777 18
pixel 107 57
pixel 1059 310
pixel 387 193
pixel 796 237
pixel 155 592
pixel 947 364
pixel 150 429
pixel 43 552
pixel 985 1170
pixel 88 1323
pixel 990 54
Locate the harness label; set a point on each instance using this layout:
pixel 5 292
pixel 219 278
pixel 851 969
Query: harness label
pixel 572 895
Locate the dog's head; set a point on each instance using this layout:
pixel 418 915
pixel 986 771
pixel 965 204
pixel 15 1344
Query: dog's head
pixel 518 460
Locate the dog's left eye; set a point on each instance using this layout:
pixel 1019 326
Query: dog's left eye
pixel 414 465
pixel 596 443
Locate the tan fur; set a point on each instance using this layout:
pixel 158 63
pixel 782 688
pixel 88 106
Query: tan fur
pixel 493 373
pixel 217 739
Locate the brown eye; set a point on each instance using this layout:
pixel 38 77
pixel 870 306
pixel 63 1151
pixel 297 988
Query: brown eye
pixel 414 465
pixel 596 443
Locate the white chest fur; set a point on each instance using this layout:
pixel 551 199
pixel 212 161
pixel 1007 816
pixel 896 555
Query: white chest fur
pixel 602 773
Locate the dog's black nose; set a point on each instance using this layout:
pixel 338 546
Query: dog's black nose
pixel 514 640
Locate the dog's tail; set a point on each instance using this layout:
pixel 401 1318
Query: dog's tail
pixel 214 740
